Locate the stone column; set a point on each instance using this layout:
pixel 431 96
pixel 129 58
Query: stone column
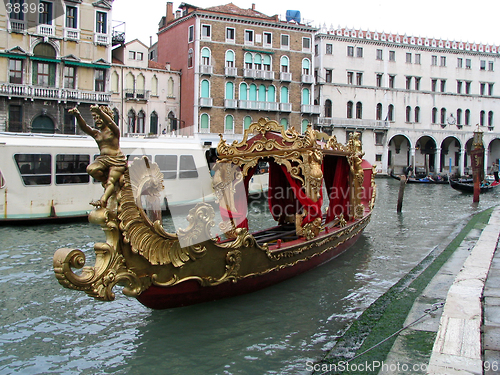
pixel 461 166
pixel 437 160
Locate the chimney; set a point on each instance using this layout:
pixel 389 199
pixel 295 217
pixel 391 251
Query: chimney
pixel 253 6
pixel 170 12
pixel 178 14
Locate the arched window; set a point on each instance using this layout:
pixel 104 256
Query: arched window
pixel 205 89
pixel 434 115
pixel 262 93
pixel 271 94
pixel 417 114
pixel 190 58
pixel 467 117
pixel 304 125
pixel 390 112
pixel 44 70
pixel 129 85
pixel 229 90
pixel 248 61
pixel 204 123
pixel 252 92
pixel 328 108
pixel 131 121
pixel 459 116
pixel 140 122
pixel 284 95
pixel 359 110
pixel 257 62
pixel 481 118
pixel 154 85
pixel 284 61
pixel 116 116
pixel 306 67
pixel 205 56
pixel 243 91
pixel 140 87
pixel 490 118
pixel 247 121
pixel 229 124
pixel 114 82
pixel 378 114
pixel 266 63
pixel 349 109
pixel 284 123
pixel 306 97
pixel 170 88
pixel 153 123
pixel 443 115
pixel 230 59
pixel 408 113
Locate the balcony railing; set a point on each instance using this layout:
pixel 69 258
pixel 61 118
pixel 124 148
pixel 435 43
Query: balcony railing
pixel 206 102
pixel 231 71
pixel 230 103
pixel 17 26
pixel 138 95
pixel 307 108
pixel 103 39
pixel 307 78
pixel 249 73
pixel 286 77
pixel 37 92
pixel 45 30
pixel 72 34
pixel 258 105
pixel 264 74
pixel 351 122
pixel 206 69
pixel 286 107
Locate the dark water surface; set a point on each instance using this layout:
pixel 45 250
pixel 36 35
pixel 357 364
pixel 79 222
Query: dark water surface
pixel 45 328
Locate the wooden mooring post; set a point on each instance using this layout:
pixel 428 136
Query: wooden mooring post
pixel 402 185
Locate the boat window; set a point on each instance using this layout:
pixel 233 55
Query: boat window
pixel 2 181
pixel 72 169
pixel 34 168
pixel 167 165
pixel 187 167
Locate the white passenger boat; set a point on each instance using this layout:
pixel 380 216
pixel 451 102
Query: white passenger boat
pixel 44 176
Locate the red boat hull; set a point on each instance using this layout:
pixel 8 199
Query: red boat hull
pixel 191 292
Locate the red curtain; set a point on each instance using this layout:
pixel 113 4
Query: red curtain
pixel 281 199
pixel 336 177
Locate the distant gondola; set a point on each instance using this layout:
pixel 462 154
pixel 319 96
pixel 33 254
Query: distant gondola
pixel 425 180
pixel 468 187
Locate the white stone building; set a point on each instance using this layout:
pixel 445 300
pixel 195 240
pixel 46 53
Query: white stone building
pixel 145 94
pixel 415 100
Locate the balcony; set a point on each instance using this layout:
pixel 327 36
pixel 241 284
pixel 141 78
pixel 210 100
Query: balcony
pixel 264 74
pixel 356 123
pixel 17 26
pixel 103 39
pixel 286 107
pixel 231 71
pixel 72 34
pixel 285 77
pixel 258 106
pixel 249 73
pixel 206 102
pixel 307 78
pixel 52 93
pixel 137 95
pixel 312 109
pixel 46 30
pixel 206 69
pixel 231 103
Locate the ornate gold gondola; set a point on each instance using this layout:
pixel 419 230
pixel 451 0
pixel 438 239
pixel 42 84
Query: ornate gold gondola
pixel 164 270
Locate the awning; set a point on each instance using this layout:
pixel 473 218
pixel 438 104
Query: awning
pixel 258 51
pixel 14 56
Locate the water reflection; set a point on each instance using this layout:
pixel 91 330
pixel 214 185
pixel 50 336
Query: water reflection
pixel 48 329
